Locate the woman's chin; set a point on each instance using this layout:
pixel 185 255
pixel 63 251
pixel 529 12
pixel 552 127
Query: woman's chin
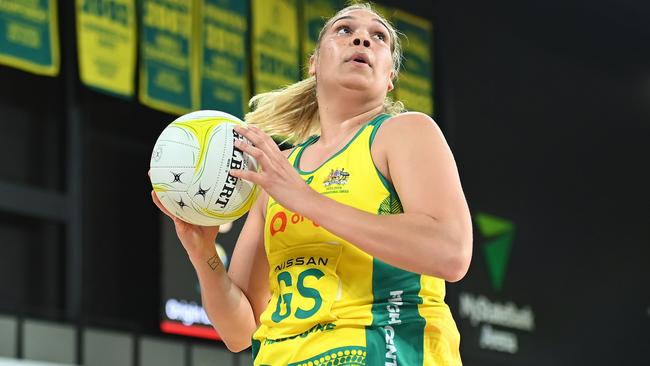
pixel 349 83
pixel 355 82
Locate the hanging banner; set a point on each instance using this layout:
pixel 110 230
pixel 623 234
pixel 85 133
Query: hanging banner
pixel 166 55
pixel 275 44
pixel 29 39
pixel 415 84
pixel 106 44
pixel 388 13
pixel 384 11
pixel 223 56
pixel 314 15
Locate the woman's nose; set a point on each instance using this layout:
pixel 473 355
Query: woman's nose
pixel 357 41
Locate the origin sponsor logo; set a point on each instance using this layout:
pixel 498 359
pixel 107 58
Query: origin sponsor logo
pixel 185 312
pixel 281 219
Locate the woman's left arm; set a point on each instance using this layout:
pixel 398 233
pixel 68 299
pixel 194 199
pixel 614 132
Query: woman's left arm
pixel 434 234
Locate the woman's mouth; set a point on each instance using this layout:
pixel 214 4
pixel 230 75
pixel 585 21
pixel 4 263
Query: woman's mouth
pixel 360 58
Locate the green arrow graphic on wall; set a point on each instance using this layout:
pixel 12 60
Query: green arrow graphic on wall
pixel 500 234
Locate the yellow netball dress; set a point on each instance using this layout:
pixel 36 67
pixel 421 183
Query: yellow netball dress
pixel 333 304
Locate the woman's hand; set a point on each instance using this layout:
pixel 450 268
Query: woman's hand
pixel 197 240
pixel 276 175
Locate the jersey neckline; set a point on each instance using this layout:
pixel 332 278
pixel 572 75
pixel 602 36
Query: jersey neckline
pixel 313 139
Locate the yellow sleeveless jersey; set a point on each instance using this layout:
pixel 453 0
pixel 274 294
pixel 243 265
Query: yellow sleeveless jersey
pixel 333 304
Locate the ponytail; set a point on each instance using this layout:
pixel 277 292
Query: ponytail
pixel 292 112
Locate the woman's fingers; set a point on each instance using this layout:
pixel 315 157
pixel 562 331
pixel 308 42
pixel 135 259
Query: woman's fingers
pixel 260 156
pixel 268 142
pixel 157 202
pixel 162 208
pixel 247 175
pixel 258 138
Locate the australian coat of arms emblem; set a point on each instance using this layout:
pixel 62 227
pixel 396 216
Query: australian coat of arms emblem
pixel 336 176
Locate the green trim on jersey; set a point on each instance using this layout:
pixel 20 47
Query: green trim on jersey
pixel 390 206
pixel 406 330
pixel 377 123
pixel 296 162
pixel 395 339
pixel 255 347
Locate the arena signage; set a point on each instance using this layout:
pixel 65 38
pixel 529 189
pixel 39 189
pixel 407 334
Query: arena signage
pixel 498 322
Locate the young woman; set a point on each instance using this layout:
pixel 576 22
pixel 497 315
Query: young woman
pixel 344 256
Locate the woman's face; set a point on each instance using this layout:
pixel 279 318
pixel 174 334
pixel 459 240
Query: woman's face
pixel 355 53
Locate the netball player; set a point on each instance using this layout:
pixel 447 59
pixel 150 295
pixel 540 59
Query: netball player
pixel 344 256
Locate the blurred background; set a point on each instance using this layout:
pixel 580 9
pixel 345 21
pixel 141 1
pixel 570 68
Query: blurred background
pixel 545 104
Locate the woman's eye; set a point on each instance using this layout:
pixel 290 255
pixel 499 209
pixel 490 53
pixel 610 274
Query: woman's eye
pixel 343 30
pixel 380 36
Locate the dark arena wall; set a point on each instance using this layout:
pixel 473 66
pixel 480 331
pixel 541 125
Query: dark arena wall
pixel 545 105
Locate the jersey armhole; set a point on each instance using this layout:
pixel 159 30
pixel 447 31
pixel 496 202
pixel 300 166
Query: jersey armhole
pixel 376 125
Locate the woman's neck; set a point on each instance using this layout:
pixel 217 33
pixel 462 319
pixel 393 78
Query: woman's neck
pixel 339 118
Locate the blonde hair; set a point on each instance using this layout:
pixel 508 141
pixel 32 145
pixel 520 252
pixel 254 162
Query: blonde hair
pixel 292 111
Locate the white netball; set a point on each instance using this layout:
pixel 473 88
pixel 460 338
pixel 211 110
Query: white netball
pixel 190 169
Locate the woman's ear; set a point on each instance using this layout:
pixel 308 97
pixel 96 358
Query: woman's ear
pixel 390 80
pixel 312 65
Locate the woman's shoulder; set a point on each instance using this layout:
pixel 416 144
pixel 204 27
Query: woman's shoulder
pixel 409 120
pixel 408 125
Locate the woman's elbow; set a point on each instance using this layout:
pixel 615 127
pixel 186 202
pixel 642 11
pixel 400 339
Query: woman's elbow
pixel 456 273
pixel 236 346
pixel 236 342
pixel 458 263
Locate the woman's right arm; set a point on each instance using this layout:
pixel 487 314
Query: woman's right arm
pixel 235 299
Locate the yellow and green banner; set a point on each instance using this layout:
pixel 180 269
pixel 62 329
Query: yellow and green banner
pixel 29 36
pixel 415 86
pixel 388 13
pixel 275 44
pixel 385 11
pixel 314 15
pixel 223 65
pixel 166 60
pixel 106 44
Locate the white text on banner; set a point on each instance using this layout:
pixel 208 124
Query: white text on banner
pixel 29 39
pixel 166 59
pixel 415 87
pixel 275 44
pixel 224 56
pixel 106 43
